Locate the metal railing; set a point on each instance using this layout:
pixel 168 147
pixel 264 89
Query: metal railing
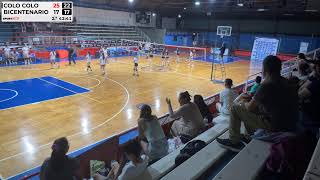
pixel 287 66
pixel 144 36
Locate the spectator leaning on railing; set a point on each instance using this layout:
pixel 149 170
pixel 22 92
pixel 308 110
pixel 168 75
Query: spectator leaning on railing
pixel 274 107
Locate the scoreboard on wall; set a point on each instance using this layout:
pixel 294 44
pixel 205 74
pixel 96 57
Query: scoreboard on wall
pixel 35 11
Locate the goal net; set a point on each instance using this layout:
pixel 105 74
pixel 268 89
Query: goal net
pixel 156 50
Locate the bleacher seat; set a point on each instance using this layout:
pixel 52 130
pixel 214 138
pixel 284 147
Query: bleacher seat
pixel 196 165
pixel 253 156
pixel 167 163
pixel 313 170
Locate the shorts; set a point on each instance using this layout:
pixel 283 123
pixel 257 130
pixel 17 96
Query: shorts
pixel 135 64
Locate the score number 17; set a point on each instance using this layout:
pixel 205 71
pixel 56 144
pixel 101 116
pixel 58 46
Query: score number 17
pixel 55 11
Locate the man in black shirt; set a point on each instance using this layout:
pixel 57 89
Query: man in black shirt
pixel 309 93
pixel 71 56
pixel 274 107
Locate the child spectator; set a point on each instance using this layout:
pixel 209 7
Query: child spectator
pixel 256 85
pixel 227 96
pixel 133 170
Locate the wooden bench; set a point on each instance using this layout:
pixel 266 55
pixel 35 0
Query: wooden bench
pixel 247 163
pixel 196 165
pixel 167 163
pixel 313 170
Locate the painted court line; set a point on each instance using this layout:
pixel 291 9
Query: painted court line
pixel 80 94
pixel 16 94
pixel 90 130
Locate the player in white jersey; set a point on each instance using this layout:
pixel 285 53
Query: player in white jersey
pixel 88 59
pixel 14 55
pixel 105 51
pixel 103 61
pixel 26 56
pixel 177 55
pixel 191 56
pixel 135 66
pixel 167 60
pixel 7 55
pixel 52 58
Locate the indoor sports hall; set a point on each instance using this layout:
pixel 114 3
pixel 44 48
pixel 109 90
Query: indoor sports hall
pixel 141 89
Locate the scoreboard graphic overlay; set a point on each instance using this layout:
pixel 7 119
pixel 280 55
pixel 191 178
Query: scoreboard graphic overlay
pixel 35 11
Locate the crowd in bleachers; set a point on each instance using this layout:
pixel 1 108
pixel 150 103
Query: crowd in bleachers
pixel 276 106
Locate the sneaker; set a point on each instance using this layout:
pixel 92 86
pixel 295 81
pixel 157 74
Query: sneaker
pixel 245 139
pixel 227 144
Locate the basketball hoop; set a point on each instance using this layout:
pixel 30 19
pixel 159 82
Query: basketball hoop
pixel 224 31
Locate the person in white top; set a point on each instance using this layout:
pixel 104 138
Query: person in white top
pixel 177 55
pixel 26 57
pixel 133 170
pixel 135 66
pixel 227 96
pixel 52 58
pixel 106 55
pixel 103 60
pixel 191 56
pixel 88 58
pixel 7 51
pixel 191 122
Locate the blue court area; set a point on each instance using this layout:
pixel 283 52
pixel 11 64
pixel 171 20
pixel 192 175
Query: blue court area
pixel 35 90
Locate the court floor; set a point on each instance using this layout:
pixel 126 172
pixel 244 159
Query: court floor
pixel 39 104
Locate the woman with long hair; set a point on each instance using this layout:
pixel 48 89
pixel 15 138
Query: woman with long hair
pixel 153 139
pixel 204 109
pixel 59 165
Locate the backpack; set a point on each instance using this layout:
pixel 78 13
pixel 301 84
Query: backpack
pixel 189 150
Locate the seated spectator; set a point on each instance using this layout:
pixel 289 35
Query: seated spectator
pixel 191 122
pixel 301 56
pixel 133 170
pixel 59 165
pixel 204 109
pixel 309 93
pixel 227 96
pixel 150 130
pixel 304 71
pixel 274 107
pixel 255 87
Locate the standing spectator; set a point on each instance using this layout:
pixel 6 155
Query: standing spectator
pixel 191 122
pixel 59 165
pixel 204 109
pixel 227 96
pixel 150 130
pixel 274 107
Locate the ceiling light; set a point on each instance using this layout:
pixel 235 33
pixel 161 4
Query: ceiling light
pixel 184 8
pixel 154 14
pixel 261 10
pixel 197 3
pixel 179 15
pixel 130 1
pixel 311 10
pixel 240 4
pixel 288 14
